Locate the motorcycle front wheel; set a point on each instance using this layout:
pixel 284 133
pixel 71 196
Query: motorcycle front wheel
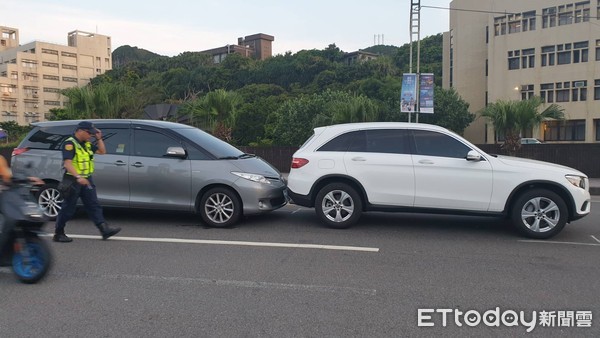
pixel 31 262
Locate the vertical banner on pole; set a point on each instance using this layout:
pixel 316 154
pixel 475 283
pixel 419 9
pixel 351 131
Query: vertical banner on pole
pixel 409 93
pixel 426 93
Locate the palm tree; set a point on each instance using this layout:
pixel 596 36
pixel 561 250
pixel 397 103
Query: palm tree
pixel 513 118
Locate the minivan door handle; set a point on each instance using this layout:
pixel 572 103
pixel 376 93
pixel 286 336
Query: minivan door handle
pixel 359 159
pixel 119 163
pixel 137 165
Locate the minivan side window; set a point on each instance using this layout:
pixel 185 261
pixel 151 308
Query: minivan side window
pixel 152 144
pixel 432 143
pixel 49 138
pixel 387 141
pixel 116 141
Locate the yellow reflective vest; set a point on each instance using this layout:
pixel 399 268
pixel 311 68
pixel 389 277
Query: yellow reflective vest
pixel 83 160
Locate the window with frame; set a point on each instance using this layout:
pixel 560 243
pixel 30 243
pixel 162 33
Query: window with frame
pixel 549 17
pixel 526 92
pixel 598 49
pixel 528 58
pixel 50 64
pixel 51 90
pixel 579 90
pixel 571 130
pixel 500 25
pixel 49 51
pixel 514 60
pixel 514 23
pixel 582 12
pixel 548 55
pixel 431 143
pixel 51 103
pixel 528 23
pixel 562 91
pixel 69 79
pixel 547 92
pixel 580 51
pixel 340 143
pixel 385 141
pixel 51 77
pixel 597 127
pixel 116 140
pixel 565 14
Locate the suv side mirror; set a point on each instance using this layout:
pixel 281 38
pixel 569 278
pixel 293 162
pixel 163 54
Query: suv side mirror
pixel 177 152
pixel 474 156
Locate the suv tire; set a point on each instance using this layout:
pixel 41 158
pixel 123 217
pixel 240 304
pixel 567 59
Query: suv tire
pixel 220 207
pixel 539 213
pixel 50 200
pixel 338 205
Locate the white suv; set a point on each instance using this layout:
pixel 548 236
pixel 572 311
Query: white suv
pixel 343 170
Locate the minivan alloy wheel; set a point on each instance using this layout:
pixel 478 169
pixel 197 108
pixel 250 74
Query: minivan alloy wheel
pixel 50 200
pixel 338 206
pixel 220 207
pixel 540 214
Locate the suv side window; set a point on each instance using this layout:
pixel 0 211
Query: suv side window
pixel 387 141
pixel 116 140
pixel 432 143
pixel 341 142
pixel 152 144
pixel 49 138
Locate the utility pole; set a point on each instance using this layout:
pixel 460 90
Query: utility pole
pixel 415 31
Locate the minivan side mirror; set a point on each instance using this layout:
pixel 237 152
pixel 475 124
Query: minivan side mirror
pixel 177 152
pixel 474 156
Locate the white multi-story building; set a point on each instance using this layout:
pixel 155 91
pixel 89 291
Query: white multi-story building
pixel 32 75
pixel 512 50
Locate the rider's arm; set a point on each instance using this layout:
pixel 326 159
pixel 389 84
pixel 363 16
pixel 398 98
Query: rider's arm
pixel 5 170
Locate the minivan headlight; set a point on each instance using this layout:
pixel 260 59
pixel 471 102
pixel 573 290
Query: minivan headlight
pixel 252 177
pixel 577 181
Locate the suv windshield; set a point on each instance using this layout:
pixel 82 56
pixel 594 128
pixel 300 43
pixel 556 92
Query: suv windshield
pixel 213 145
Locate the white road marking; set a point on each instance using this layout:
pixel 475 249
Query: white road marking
pixel 555 242
pixel 239 243
pixel 596 239
pixel 295 211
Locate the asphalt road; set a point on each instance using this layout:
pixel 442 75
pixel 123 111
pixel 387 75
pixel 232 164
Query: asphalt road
pixel 284 275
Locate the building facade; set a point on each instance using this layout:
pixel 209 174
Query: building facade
pixel 258 46
pixel 32 75
pixel 513 50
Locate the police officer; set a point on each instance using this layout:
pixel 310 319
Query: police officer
pixel 78 161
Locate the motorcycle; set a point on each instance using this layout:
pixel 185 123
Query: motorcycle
pixel 21 221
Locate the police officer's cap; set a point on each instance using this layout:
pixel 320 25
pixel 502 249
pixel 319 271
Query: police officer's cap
pixel 87 126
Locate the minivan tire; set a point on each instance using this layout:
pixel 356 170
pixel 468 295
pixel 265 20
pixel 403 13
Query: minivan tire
pixel 338 205
pixel 50 200
pixel 220 207
pixel 539 213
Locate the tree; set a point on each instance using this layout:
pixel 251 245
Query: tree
pixel 450 111
pixel 513 118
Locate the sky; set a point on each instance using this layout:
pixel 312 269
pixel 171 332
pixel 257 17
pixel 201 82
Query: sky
pixel 176 26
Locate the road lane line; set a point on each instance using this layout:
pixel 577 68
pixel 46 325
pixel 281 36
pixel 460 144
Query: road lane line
pixel 555 242
pixel 295 211
pixel 238 243
pixel 596 239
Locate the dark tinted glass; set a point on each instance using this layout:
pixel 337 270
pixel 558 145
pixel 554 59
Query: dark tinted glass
pixel 116 141
pixel 388 141
pixel 152 144
pixel 436 144
pixel 47 138
pixel 211 144
pixel 341 142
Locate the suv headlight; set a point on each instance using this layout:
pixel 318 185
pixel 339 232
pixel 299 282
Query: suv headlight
pixel 252 177
pixel 577 181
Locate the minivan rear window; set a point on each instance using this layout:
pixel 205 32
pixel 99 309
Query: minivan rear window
pixel 49 138
pixel 213 145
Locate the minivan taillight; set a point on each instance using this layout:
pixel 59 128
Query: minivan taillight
pixel 19 151
pixel 298 162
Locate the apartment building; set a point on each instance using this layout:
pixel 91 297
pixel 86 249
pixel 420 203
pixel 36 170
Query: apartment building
pixel 33 74
pixel 258 46
pixel 513 50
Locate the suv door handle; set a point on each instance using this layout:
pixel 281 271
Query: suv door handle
pixel 359 159
pixel 426 161
pixel 137 165
pixel 119 163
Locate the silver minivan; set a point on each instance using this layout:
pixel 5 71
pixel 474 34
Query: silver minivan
pixel 158 165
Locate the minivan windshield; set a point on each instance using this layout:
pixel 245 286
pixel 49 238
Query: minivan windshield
pixel 213 145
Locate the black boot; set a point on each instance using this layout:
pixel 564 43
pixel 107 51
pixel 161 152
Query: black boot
pixel 62 238
pixel 107 231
